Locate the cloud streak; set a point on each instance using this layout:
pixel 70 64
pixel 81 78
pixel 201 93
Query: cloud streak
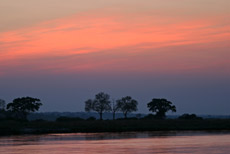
pixel 50 45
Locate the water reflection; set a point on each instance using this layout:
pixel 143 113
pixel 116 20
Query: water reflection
pixel 132 142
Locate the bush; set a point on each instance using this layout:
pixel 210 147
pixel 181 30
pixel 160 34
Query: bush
pixel 66 119
pixel 189 117
pixel 91 119
pixel 149 116
pixel 131 118
pixel 39 120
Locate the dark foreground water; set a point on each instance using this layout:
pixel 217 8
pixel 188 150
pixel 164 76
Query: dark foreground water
pixel 118 143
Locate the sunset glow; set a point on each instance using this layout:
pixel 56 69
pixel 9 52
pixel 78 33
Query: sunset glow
pixel 155 37
pixel 62 44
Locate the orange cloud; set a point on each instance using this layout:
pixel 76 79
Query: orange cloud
pixel 52 45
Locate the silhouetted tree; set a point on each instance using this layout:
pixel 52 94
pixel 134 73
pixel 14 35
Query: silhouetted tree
pixel 161 106
pixel 2 105
pixel 3 113
pixel 23 106
pixel 115 108
pixel 100 104
pixel 127 105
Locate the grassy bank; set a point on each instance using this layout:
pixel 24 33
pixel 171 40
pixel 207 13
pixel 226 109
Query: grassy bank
pixel 10 127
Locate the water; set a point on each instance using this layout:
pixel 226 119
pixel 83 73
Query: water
pixel 118 143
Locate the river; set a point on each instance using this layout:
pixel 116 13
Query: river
pixel 171 142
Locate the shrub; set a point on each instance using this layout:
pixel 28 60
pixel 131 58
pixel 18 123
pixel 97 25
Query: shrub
pixel 189 117
pixel 67 119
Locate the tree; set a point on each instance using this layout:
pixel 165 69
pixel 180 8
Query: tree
pixel 2 105
pixel 115 108
pixel 161 106
pixel 2 109
pixel 127 105
pixel 23 106
pixel 100 104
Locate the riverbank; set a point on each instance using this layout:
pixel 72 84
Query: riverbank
pixel 10 127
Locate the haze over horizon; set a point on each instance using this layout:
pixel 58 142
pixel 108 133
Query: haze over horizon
pixel 66 52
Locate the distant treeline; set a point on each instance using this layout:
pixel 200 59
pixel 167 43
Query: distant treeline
pixel 78 125
pixel 20 108
pixel 52 116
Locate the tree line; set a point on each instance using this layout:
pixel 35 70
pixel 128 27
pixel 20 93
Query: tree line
pixel 102 103
pixel 20 107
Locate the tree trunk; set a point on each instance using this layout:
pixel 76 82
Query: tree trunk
pixel 125 114
pixel 100 116
pixel 161 115
pixel 113 115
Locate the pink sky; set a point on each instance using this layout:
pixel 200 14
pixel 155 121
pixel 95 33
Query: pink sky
pixel 125 34
pixel 50 38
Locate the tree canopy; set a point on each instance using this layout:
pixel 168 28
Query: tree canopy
pixel 101 103
pixel 23 106
pixel 160 107
pixel 127 105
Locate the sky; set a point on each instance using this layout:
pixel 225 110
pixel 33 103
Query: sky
pixel 65 52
